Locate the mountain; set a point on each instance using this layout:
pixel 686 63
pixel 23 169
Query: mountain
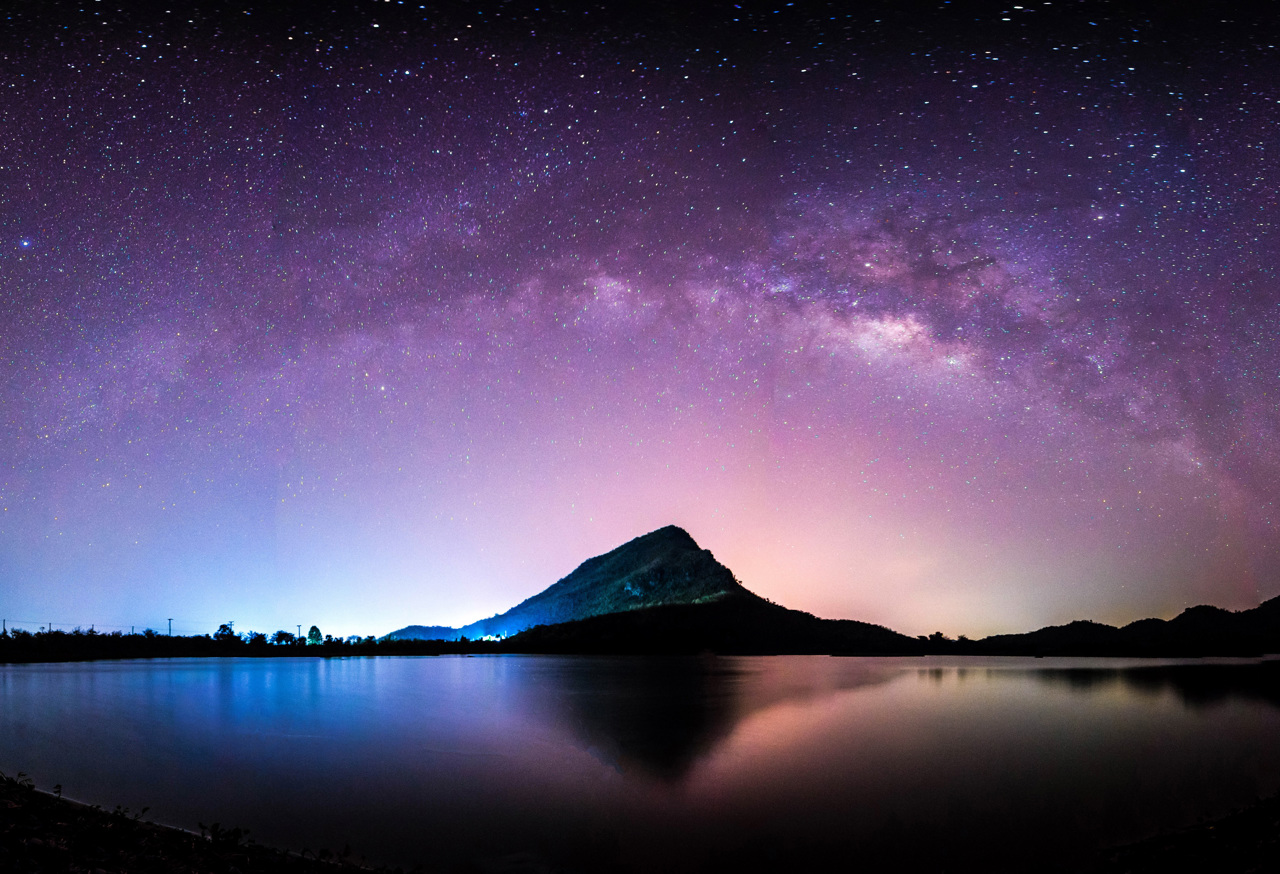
pixel 659 568
pixel 662 593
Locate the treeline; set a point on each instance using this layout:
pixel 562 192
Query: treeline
pixel 17 645
pixel 742 625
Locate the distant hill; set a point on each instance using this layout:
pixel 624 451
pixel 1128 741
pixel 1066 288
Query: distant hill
pixel 424 632
pixel 660 568
pixel 1197 631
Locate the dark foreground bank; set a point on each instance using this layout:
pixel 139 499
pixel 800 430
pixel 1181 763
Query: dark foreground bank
pixel 42 833
pixel 1245 841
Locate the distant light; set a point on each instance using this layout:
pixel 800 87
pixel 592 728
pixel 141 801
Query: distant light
pixel 26 244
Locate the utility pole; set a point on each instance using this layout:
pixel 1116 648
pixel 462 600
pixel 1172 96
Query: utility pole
pixel 171 628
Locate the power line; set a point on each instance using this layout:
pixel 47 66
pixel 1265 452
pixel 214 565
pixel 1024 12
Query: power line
pixel 186 626
pixel 53 625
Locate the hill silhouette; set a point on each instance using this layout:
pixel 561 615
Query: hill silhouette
pixel 1196 631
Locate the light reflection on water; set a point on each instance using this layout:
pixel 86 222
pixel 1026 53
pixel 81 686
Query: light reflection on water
pixel 657 764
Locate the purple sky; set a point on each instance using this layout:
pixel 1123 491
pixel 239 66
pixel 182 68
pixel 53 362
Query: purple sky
pixel 944 316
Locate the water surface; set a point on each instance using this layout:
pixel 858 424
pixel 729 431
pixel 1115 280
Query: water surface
pixel 677 764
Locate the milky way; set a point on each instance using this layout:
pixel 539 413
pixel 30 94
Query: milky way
pixel 952 316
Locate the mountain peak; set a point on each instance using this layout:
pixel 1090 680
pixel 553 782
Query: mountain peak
pixel 662 567
pixel 670 541
pixel 673 533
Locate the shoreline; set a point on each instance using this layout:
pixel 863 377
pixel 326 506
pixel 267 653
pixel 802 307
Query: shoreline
pixel 425 648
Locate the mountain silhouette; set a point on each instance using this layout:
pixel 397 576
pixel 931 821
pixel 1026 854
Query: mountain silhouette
pixel 740 623
pixel 661 592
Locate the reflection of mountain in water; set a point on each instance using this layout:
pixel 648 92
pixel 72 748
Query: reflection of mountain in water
pixel 1197 685
pixel 660 715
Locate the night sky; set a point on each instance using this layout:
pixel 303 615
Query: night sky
pixel 957 316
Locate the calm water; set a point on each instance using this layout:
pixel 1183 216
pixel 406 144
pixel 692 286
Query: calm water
pixel 668 764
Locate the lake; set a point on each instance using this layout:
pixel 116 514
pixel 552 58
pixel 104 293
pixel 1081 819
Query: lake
pixel 643 764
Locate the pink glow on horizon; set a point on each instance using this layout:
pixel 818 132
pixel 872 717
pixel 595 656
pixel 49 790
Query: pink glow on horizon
pixel 306 356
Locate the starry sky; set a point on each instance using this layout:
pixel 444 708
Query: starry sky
pixel 947 316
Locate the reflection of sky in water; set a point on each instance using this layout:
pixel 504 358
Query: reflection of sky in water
pixel 586 760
